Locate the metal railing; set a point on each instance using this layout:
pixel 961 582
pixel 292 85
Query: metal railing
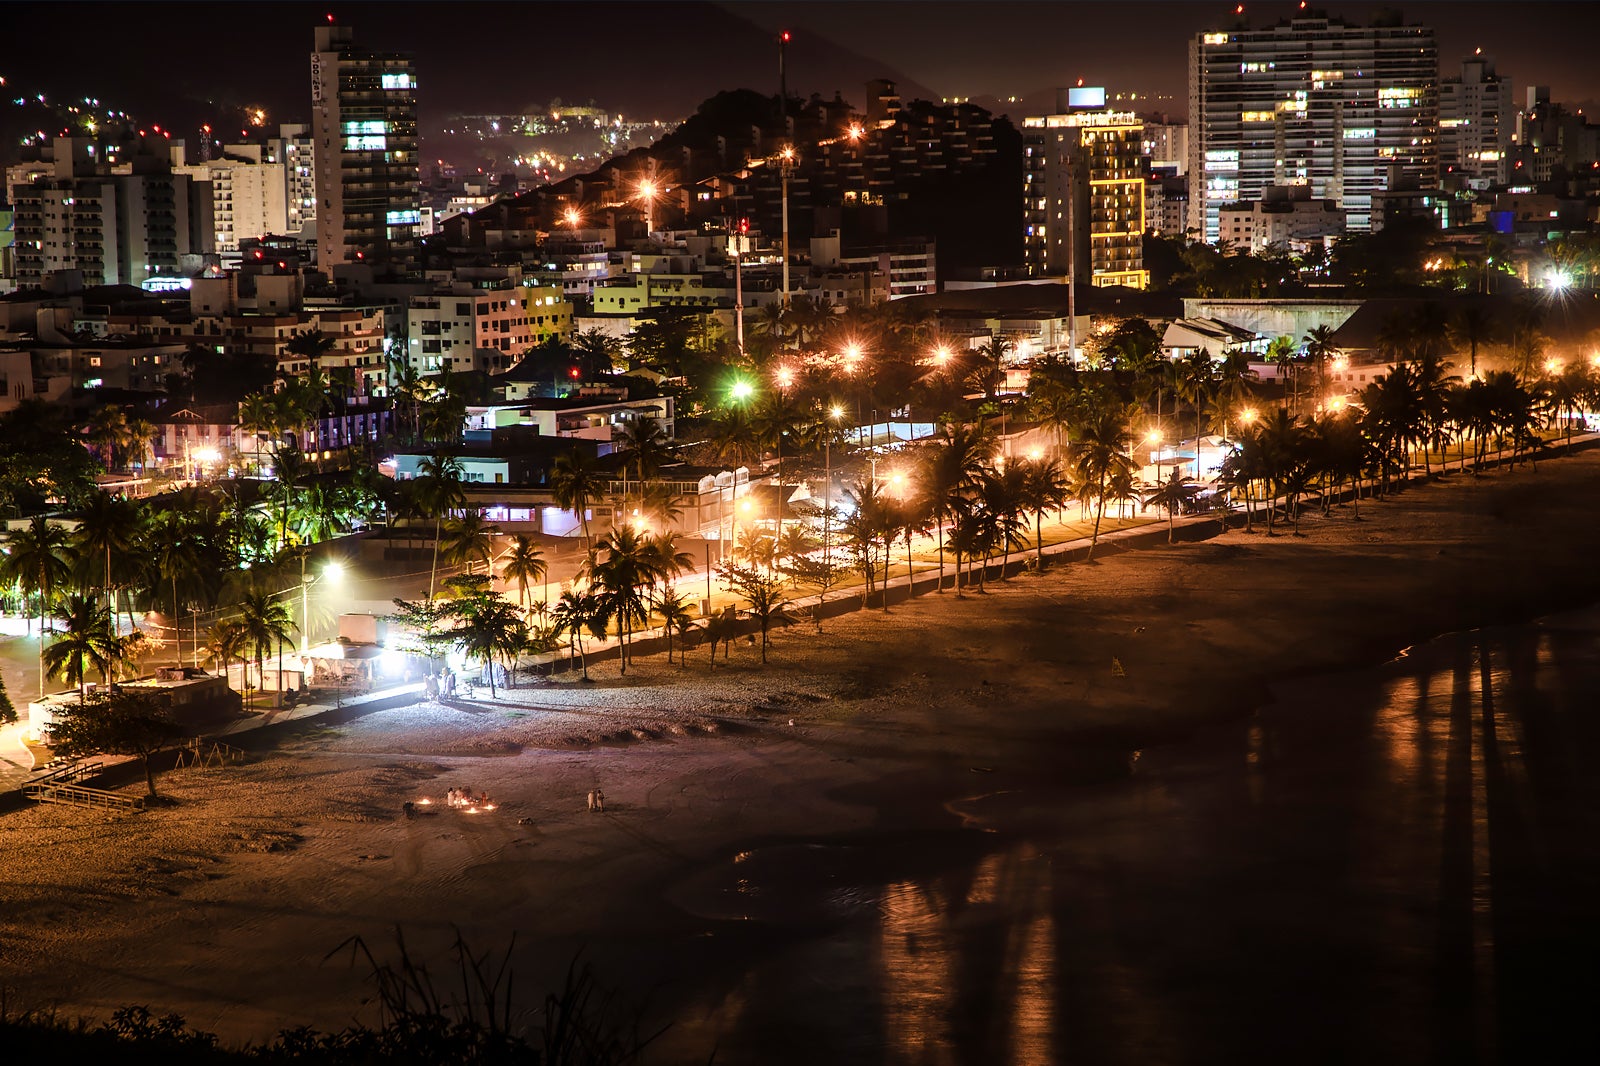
pixel 80 796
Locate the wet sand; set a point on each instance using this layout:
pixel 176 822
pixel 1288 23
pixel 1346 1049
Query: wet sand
pixel 927 742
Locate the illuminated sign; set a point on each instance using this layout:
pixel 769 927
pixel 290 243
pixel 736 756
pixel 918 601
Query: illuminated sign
pixel 1086 97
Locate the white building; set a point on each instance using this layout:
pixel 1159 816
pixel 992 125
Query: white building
pixel 118 224
pixel 485 324
pixel 1313 101
pixel 1286 217
pixel 1477 116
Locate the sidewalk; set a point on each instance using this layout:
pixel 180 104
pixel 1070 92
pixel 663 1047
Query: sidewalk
pixel 15 763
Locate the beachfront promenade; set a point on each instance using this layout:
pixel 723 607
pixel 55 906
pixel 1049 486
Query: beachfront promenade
pixel 15 762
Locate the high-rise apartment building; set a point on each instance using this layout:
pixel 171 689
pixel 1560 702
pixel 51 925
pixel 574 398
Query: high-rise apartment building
pixel 121 224
pixel 261 188
pixel 1477 117
pixel 368 177
pixel 1084 186
pixel 1311 101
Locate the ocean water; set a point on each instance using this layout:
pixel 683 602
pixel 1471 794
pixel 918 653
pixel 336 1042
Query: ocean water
pixel 1399 864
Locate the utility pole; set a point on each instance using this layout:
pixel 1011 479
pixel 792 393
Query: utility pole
pixel 785 166
pixel 737 244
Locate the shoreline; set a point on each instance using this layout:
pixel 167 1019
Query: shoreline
pixel 891 710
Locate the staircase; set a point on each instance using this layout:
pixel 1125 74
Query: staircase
pixel 82 796
pixel 58 787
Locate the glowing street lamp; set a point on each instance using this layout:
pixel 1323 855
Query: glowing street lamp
pixel 741 391
pixel 941 355
pixel 785 168
pixel 1552 366
pixel 648 191
pixel 785 378
pixel 332 572
pixel 835 412
pixel 572 216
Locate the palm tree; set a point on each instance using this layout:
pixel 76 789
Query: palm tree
pixel 109 526
pixel 1002 495
pixel 265 622
pixel 1172 494
pixel 673 607
pixel 84 642
pixel 39 558
pixel 525 564
pixel 1473 325
pixel 632 561
pixel 226 642
pixel 1102 452
pixel 575 614
pixel 321 512
pixel 438 493
pixel 136 442
pixel 576 483
pixel 289 469
pixel 645 444
pixel 1196 380
pixel 261 415
pixel 1044 488
pixel 469 540
pixel 106 430
pixel 487 627
pixel 951 470
pixel 763 592
pixel 1282 351
pixel 175 554
pixel 1319 346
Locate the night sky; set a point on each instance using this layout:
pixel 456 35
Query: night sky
pixel 183 63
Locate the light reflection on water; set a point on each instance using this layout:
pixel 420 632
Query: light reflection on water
pixel 1390 865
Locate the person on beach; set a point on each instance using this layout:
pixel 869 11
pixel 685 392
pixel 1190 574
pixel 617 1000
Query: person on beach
pixel 599 800
pixel 591 799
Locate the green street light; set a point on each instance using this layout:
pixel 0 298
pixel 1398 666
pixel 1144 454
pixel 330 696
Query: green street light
pixel 742 390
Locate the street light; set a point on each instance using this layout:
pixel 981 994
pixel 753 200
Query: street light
pixel 785 168
pixel 741 391
pixel 572 217
pixel 648 191
pixel 332 572
pixel 835 412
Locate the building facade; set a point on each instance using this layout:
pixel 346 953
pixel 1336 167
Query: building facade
pixel 1286 218
pixel 367 174
pixel 118 225
pixel 1084 183
pixel 1310 101
pixel 1477 117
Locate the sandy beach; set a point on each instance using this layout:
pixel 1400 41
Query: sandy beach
pixel 225 906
